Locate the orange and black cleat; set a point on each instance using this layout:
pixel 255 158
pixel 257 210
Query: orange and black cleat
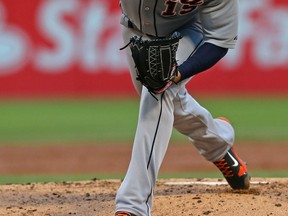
pixel 122 213
pixel 234 170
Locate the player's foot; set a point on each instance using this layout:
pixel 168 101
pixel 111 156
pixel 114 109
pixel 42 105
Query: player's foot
pixel 122 213
pixel 234 170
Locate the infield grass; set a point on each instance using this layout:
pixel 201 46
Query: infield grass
pixel 97 121
pixel 24 179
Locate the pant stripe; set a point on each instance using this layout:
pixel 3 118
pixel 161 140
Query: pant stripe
pixel 152 148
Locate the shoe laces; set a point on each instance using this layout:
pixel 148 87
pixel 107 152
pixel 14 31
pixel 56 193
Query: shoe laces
pixel 224 168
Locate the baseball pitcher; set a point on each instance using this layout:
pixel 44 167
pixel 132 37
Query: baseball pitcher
pixel 167 43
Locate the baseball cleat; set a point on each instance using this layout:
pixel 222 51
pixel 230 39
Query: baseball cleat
pixel 122 213
pixel 234 170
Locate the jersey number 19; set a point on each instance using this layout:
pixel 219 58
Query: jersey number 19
pixel 186 6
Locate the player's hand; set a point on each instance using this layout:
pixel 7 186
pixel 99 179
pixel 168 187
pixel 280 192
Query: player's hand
pixel 168 84
pixel 175 80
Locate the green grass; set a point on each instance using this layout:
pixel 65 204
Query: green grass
pixel 98 121
pixel 25 179
pixel 66 121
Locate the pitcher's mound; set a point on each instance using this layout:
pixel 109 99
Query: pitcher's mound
pixel 172 197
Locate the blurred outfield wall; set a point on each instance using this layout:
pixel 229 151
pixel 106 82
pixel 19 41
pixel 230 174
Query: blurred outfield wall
pixel 71 47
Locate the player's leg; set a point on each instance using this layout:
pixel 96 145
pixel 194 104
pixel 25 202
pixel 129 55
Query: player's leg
pixel 153 132
pixel 155 124
pixel 212 137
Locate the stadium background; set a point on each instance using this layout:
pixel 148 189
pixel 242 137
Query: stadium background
pixel 63 80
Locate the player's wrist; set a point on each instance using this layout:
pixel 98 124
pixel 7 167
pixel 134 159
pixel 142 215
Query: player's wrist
pixel 177 78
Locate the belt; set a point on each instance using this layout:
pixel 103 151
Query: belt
pixel 127 22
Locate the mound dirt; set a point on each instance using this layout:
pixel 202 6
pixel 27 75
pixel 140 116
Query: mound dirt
pixel 96 197
pixel 172 197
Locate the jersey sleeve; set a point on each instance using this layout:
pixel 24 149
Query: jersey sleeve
pixel 219 19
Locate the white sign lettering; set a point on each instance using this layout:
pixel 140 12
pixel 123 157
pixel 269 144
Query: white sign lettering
pixel 92 40
pixel 266 27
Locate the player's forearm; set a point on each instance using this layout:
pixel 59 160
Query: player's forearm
pixel 204 58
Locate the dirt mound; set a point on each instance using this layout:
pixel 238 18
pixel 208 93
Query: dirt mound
pixel 172 197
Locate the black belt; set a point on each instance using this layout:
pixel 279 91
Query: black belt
pixel 132 26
